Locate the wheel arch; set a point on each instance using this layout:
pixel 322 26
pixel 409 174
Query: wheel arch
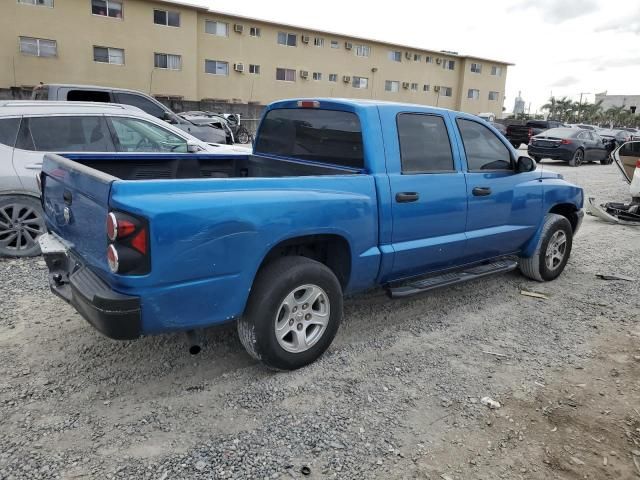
pixel 332 250
pixel 569 211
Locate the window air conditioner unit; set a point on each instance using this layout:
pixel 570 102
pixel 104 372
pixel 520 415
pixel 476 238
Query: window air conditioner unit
pixel 407 55
pixel 436 88
pixel 346 78
pixel 238 67
pixel 304 74
pixel 438 60
pixel 348 45
pixel 238 28
pixel 405 84
pixel 305 38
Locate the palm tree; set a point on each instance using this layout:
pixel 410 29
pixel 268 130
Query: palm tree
pixel 613 114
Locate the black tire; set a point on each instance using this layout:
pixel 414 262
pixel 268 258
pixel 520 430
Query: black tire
pixel 606 161
pixel 577 159
pixel 273 284
pixel 242 135
pixel 536 267
pixel 21 223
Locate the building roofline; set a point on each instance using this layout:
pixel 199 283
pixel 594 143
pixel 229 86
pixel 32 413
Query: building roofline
pixel 328 32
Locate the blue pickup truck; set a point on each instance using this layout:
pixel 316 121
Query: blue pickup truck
pixel 338 196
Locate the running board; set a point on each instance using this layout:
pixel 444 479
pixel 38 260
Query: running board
pixel 413 287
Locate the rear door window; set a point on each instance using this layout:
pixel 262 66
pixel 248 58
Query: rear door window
pixel 142 103
pixel 88 96
pixel 327 136
pixel 424 144
pixel 9 131
pixel 65 134
pixel 134 135
pixel 483 148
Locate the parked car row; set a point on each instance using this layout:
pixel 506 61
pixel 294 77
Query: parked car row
pixel 29 129
pixel 571 145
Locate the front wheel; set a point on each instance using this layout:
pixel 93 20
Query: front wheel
pixel 21 223
pixel 577 159
pixel 552 252
pixel 606 161
pixel 293 313
pixel 242 135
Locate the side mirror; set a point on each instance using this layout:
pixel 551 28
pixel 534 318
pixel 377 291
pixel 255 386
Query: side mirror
pixel 525 164
pixel 193 147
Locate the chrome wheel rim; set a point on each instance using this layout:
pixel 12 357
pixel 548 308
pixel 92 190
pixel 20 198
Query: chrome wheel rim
pixel 556 250
pixel 243 137
pixel 302 318
pixel 20 227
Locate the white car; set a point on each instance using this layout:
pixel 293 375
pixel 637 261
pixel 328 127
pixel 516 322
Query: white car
pixel 29 129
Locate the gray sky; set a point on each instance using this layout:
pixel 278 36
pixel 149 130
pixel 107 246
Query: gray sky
pixel 560 46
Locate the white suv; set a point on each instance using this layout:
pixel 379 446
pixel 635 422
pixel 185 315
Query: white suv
pixel 29 129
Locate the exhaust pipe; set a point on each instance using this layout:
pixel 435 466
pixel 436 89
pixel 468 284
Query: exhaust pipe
pixel 194 338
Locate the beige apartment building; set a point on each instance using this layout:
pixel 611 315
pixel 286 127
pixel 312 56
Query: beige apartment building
pixel 170 49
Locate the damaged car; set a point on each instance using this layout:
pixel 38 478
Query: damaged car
pixel 627 159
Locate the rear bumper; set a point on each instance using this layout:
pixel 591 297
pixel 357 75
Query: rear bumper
pixel 115 315
pixel 555 153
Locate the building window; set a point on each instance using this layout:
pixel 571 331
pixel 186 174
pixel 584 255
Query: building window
pixel 285 74
pixel 288 39
pixel 219 29
pixel 255 69
pixel 360 82
pixel 38 47
pixel 318 42
pixel 395 56
pixel 40 3
pixel 449 64
pixel 113 56
pixel 414 87
pixel 163 17
pixel 363 51
pixel 168 61
pixel 494 95
pixel 335 44
pixel 496 71
pixel 417 57
pixel 317 75
pixel 216 67
pixel 446 91
pixel 107 8
pixel 426 88
pixel 429 59
pixel 333 77
pixel 255 32
pixel 391 86
pixel 473 94
pixel 476 67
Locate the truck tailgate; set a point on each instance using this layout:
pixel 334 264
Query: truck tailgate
pixel 76 202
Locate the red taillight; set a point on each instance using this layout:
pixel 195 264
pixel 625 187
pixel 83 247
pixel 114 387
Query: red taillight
pixel 118 227
pixel 564 141
pixel 128 250
pixel 112 258
pixel 308 103
pixel 139 241
pixel 638 164
pixel 530 132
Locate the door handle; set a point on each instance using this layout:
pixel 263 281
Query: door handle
pixel 406 197
pixel 481 191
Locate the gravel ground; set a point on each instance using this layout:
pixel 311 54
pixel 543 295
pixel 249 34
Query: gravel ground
pixel 398 395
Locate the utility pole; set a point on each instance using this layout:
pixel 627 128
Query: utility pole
pixel 580 104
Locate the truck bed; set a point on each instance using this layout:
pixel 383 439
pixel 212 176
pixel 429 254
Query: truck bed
pixel 191 166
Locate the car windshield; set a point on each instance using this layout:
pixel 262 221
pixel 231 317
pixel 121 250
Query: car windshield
pixel 538 124
pixel 559 133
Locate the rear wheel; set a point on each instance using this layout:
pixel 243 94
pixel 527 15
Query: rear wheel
pixel 21 223
pixel 552 252
pixel 577 159
pixel 607 160
pixel 293 313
